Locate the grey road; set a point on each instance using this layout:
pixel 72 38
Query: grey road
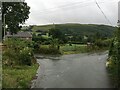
pixel 72 71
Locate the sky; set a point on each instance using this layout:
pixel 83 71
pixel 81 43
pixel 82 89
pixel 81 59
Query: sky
pixel 44 12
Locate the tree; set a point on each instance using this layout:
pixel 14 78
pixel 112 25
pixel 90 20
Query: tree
pixel 14 13
pixel 57 35
pixel 97 35
pixel 30 28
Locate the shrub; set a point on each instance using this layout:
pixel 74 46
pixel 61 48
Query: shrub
pixel 17 52
pixel 25 56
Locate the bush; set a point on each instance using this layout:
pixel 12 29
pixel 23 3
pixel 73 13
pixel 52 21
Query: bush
pixel 17 52
pixel 9 57
pixel 103 43
pixel 25 57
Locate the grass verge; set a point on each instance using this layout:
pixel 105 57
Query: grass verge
pixel 18 77
pixel 113 69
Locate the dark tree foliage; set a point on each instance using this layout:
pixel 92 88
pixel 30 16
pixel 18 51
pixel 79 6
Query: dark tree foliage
pixel 57 34
pixel 15 13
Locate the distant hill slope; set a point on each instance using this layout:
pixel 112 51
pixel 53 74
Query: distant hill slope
pixel 79 29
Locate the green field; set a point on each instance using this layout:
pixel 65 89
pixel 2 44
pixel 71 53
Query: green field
pixel 74 49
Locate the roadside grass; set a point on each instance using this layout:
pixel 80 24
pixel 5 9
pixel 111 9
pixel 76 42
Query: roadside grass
pixel 113 70
pixel 19 76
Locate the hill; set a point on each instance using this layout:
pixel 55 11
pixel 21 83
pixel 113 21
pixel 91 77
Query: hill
pixel 79 29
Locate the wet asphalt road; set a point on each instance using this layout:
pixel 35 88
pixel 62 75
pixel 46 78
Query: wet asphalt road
pixel 72 71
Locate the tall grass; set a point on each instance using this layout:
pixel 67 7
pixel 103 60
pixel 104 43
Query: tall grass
pixel 19 77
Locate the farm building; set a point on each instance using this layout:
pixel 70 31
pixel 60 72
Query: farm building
pixel 22 35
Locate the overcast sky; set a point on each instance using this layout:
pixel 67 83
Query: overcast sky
pixel 72 11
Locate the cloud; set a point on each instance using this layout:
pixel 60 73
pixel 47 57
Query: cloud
pixel 72 11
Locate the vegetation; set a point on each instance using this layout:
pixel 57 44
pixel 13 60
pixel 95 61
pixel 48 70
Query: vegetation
pixel 78 28
pixel 18 77
pixel 17 52
pixel 114 59
pixel 69 49
pixel 73 49
pixel 51 46
pixel 77 32
pixel 57 37
pixel 19 64
pixel 14 13
pixel 47 49
pixel 62 34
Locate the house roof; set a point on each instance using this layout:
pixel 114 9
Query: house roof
pixel 21 34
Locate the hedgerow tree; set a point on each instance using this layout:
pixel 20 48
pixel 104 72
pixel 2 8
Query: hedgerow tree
pixel 57 35
pixel 14 14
